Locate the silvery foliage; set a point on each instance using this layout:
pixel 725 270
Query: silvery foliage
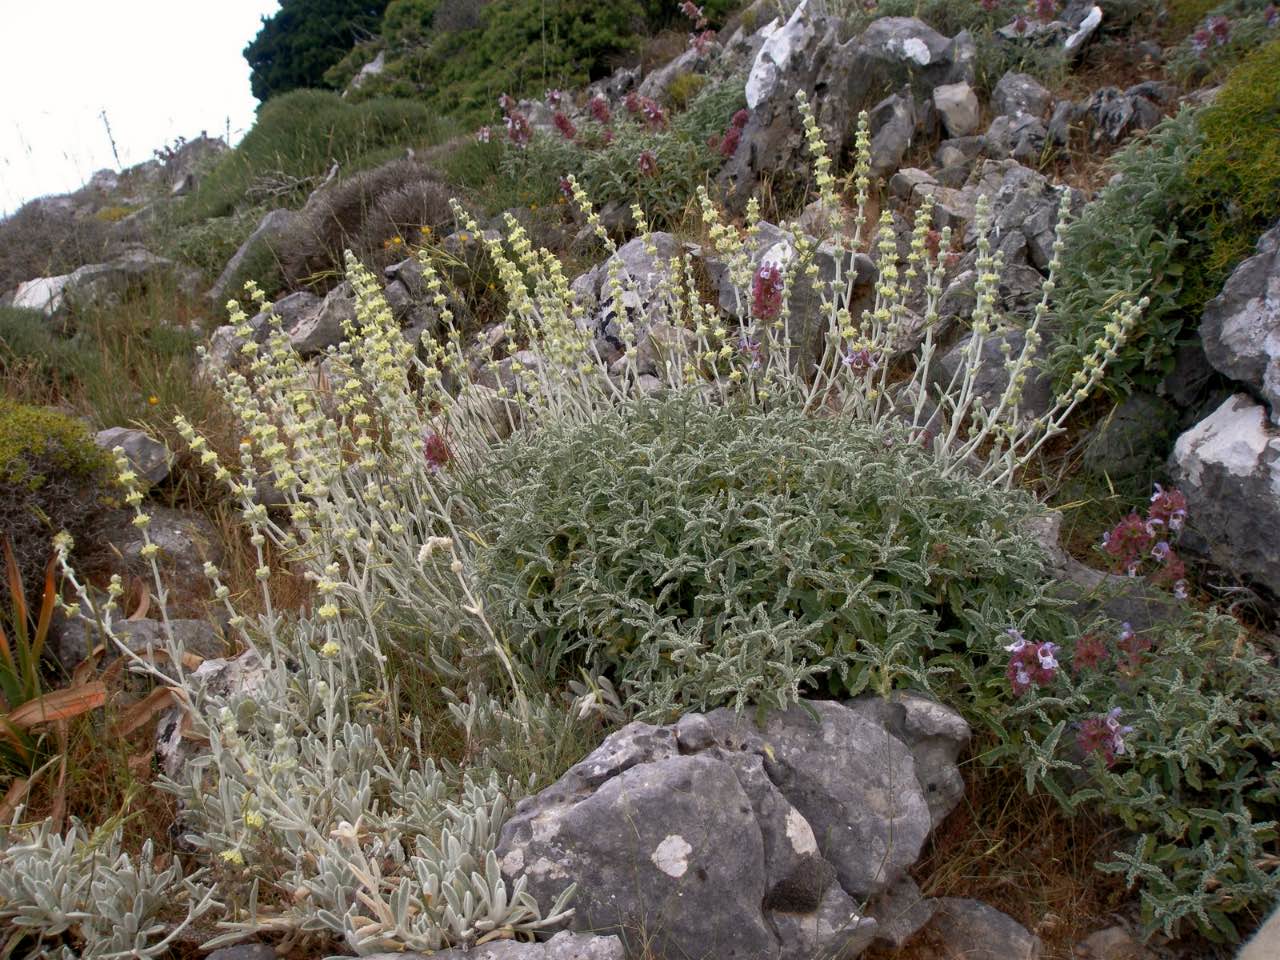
pixel 312 789
pixel 82 886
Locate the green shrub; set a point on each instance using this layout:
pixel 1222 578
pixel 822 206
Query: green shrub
pixel 511 46
pixel 1197 785
pixel 209 244
pixel 52 477
pixel 611 172
pixel 1135 239
pixel 31 350
pixel 43 238
pixel 1238 169
pixel 702 555
pixel 301 40
pixel 684 87
pixel 298 137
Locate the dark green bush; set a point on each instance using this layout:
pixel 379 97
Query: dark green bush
pixel 1238 169
pixel 700 556
pixel 303 39
pixel 298 137
pixel 52 477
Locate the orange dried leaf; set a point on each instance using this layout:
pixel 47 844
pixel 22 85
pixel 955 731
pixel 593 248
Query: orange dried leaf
pixel 59 705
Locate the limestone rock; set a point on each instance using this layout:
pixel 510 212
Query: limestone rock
pixel 563 946
pixel 969 930
pixel 1228 466
pixel 1241 326
pixel 149 459
pixel 186 541
pixel 717 835
pixel 321 327
pixel 1018 93
pixel 957 105
pixel 273 225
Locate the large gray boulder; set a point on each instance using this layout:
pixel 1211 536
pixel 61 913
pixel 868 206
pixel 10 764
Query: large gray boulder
pixel 840 78
pixel 186 541
pixel 1241 326
pixel 643 275
pixel 324 326
pixel 958 107
pixel 1228 467
pixel 715 836
pixel 103 284
pixel 969 930
pixel 1019 93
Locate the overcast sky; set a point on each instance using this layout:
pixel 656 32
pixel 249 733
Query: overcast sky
pixel 159 70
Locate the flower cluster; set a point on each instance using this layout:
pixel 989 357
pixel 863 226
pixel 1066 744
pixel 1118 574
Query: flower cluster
pixel 519 130
pixel 766 291
pixel 436 450
pixel 647 163
pixel 653 114
pixel 564 125
pixel 1104 735
pixel 1215 32
pixel 599 108
pixel 1045 9
pixel 1030 663
pixel 1092 652
pixel 728 144
pixel 1134 540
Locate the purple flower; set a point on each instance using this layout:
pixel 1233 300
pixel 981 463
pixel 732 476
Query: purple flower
pixel 1104 735
pixel 861 361
pixel 752 349
pixel 599 107
pixel 648 163
pixel 555 97
pixel 483 134
pixel 1270 15
pixel 1030 663
pixel 564 125
pixel 1160 551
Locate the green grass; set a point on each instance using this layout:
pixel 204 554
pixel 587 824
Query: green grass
pixel 297 138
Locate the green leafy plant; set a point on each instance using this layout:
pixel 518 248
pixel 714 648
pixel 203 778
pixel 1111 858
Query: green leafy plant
pixel 1174 731
pixel 1186 204
pixel 1137 238
pixel 701 555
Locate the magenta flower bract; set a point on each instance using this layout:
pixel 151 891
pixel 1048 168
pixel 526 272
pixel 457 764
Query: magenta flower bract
pixel 766 291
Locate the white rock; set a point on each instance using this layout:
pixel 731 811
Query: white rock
pixel 1087 26
pixel 1233 437
pixel 44 294
pixel 774 57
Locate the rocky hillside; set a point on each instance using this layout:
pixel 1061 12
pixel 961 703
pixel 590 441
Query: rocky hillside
pixel 793 481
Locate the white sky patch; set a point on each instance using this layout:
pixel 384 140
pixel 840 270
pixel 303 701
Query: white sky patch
pixel 159 70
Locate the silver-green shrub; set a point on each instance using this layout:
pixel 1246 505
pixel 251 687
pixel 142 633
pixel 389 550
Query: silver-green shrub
pixel 318 809
pixel 79 896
